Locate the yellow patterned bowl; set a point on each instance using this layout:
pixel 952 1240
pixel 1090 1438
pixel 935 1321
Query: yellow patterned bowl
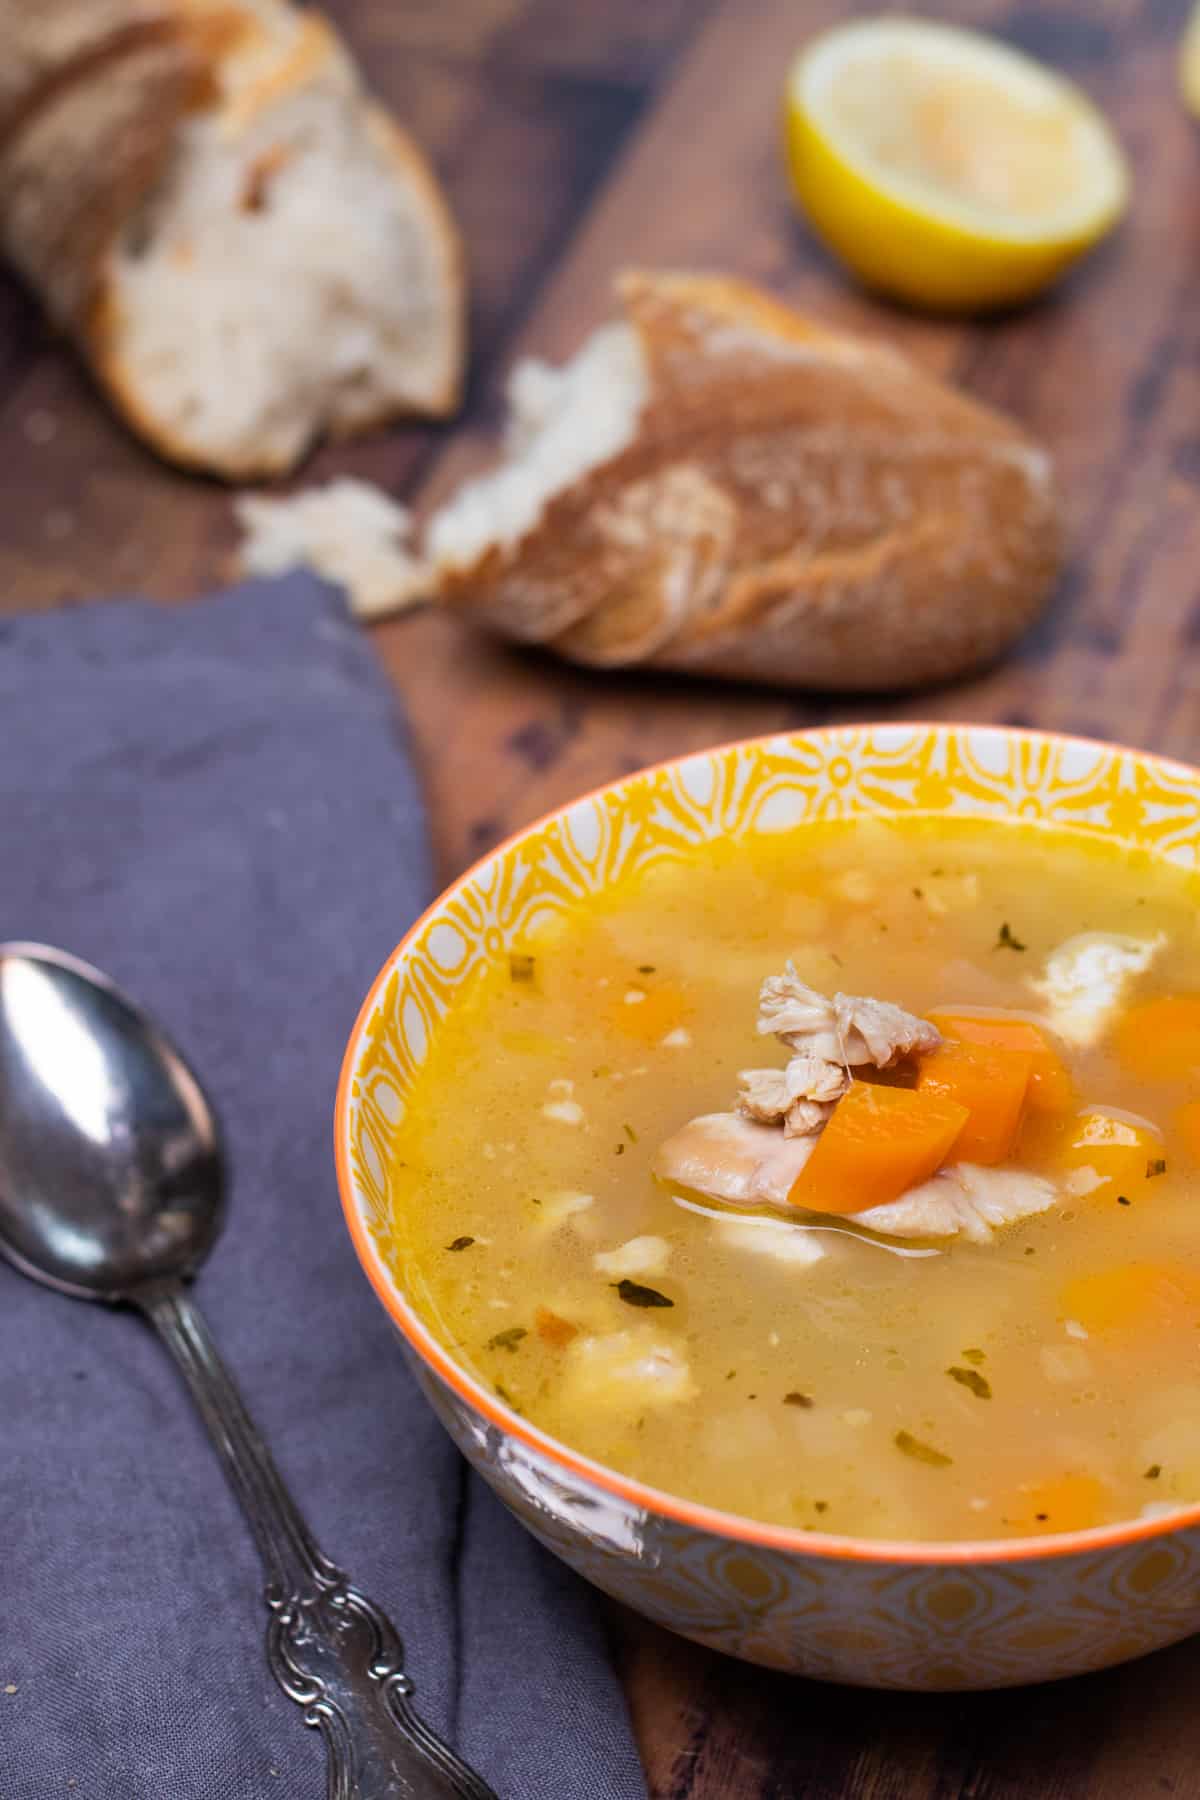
pixel 903 1615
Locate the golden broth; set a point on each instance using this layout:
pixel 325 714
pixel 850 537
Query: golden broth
pixel 951 1393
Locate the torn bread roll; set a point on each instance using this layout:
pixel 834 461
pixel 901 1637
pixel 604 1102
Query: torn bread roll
pixel 715 485
pixel 248 250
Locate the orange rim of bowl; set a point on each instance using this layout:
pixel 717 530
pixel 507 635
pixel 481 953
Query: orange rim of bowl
pixel 732 1526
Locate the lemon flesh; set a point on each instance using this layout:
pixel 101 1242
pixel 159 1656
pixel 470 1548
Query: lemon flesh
pixel 1189 63
pixel 944 168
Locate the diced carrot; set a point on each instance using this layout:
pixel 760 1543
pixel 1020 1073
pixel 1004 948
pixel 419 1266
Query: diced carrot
pixel 1160 1040
pixel 1050 1086
pixel 552 1330
pixel 647 1010
pixel 1135 1296
pixel 1106 1156
pixel 879 1142
pixel 991 1084
pixel 1187 1127
pixel 1070 1502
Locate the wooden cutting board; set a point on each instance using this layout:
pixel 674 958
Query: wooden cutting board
pixel 576 136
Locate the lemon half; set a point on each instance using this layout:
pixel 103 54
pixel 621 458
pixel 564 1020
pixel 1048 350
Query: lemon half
pixel 944 167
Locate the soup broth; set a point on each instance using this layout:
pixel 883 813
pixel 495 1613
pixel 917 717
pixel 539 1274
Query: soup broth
pixel 921 1388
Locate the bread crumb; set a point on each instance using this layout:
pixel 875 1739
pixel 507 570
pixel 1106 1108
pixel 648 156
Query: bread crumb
pixel 348 531
pixel 679 1039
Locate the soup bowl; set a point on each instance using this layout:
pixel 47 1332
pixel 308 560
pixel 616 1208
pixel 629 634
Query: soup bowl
pixel 920 1615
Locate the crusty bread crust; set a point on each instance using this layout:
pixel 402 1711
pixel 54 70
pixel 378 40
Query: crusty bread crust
pixel 88 107
pixel 796 507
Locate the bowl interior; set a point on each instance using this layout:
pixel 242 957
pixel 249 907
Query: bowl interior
pixel 766 786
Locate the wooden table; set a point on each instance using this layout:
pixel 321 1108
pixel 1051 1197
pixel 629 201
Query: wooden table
pixel 576 136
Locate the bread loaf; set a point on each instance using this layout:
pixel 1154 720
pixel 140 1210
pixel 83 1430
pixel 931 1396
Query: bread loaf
pixel 249 251
pixel 715 485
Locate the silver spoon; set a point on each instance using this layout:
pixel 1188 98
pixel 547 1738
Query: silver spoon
pixel 112 1188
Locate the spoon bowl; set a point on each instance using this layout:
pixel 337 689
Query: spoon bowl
pixel 111 1167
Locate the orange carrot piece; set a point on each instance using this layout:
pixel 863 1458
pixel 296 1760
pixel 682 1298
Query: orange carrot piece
pixel 1105 1156
pixel 1135 1296
pixel 991 1084
pixel 1187 1127
pixel 1050 1086
pixel 1160 1040
pixel 552 1330
pixel 879 1142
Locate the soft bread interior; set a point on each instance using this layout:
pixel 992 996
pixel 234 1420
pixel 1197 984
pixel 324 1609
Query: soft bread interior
pixel 348 531
pixel 563 422
pixel 293 273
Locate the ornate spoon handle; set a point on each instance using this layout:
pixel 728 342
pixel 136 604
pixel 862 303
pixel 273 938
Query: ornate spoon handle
pixel 329 1647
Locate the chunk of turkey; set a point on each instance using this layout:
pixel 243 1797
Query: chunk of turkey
pixel 802 1095
pixel 1085 980
pixel 962 1200
pixel 628 1370
pixel 848 1030
pixel 732 1158
pixel 728 1157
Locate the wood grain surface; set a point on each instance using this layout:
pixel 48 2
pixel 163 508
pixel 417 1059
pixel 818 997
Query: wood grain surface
pixel 576 136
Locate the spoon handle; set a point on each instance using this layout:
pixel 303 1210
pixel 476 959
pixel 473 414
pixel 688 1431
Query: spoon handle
pixel 329 1647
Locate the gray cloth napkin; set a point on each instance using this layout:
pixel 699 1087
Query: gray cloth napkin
pixel 215 804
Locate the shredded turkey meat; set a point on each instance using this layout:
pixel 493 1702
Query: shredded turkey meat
pixel 847 1030
pixel 744 1159
pixel 827 1038
pixel 800 1096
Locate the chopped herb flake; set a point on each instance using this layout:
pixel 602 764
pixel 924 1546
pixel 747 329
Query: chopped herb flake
pixel 461 1243
pixel 1156 1166
pixel 507 1397
pixel 1153 1472
pixel 630 1133
pixel 521 968
pixel 1006 940
pixel 620 1150
pixel 1123 1200
pixel 797 1399
pixel 645 968
pixel 836 960
pixel 979 1384
pixel 918 893
pixel 1041 1517
pixel 974 1356
pixel 1029 1250
pixel 820 1506
pixel 634 1294
pixel 507 1340
pixel 731 1375
pixel 920 1452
